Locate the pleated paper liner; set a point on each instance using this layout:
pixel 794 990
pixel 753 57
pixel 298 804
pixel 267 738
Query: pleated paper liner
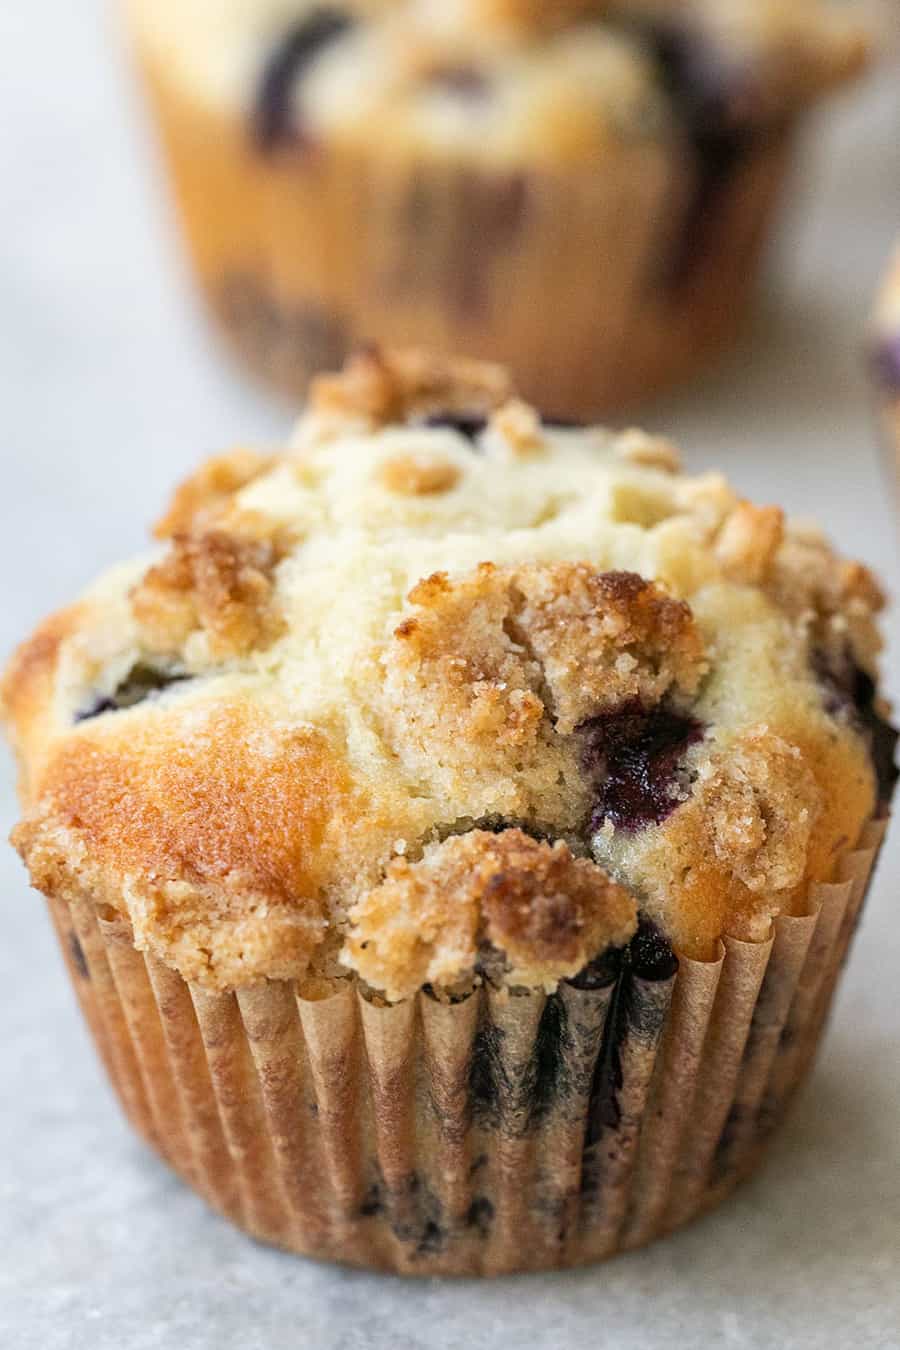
pixel 596 286
pixel 499 1132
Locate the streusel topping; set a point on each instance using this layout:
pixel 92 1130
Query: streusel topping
pixel 443 692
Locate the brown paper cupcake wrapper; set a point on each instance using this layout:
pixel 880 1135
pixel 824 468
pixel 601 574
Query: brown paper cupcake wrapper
pixel 505 1131
pixel 305 255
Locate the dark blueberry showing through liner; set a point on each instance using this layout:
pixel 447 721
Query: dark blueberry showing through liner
pixel 711 97
pixel 470 425
pixel 650 955
pixel 849 692
pixel 290 59
pixel 141 683
pixel 633 758
pixel 480 1215
pixel 600 973
pixel 78 958
pixel 886 363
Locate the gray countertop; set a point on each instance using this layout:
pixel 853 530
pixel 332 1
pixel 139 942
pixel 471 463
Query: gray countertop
pixel 110 389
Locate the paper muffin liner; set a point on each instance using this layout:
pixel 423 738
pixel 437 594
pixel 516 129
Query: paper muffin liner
pixel 595 286
pixel 502 1131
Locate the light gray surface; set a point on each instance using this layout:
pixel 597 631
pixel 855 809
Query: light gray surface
pixel 109 389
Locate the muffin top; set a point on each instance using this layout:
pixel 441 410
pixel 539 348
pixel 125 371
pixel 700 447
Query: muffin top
pixel 442 688
pixel 505 81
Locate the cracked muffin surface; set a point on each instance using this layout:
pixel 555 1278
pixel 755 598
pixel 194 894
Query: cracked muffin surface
pixel 443 692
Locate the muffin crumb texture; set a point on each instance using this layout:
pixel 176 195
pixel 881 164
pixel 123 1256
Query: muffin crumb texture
pixel 444 693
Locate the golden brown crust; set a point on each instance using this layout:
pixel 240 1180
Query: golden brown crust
pixel 547 911
pixel 216 821
pixel 27 690
pixel 380 387
pixel 29 673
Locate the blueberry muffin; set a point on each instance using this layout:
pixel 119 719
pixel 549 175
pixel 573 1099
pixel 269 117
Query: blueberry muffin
pixel 430 171
pixel 455 830
pixel 885 357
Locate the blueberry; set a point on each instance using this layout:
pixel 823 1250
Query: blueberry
pixel 634 759
pixel 286 65
pixel 480 1215
pixel 650 954
pixel 469 425
pixel 141 682
pixel 849 693
pixel 600 972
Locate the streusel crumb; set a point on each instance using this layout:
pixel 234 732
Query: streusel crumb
pixel 546 911
pixel 383 387
pixel 216 581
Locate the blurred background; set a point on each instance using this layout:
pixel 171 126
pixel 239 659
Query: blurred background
pixel 112 387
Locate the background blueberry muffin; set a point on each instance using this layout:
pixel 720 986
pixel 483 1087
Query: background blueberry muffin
pixel 432 172
pixel 456 830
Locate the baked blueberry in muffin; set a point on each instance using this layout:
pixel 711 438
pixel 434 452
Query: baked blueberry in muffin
pixel 449 707
pixel 435 171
